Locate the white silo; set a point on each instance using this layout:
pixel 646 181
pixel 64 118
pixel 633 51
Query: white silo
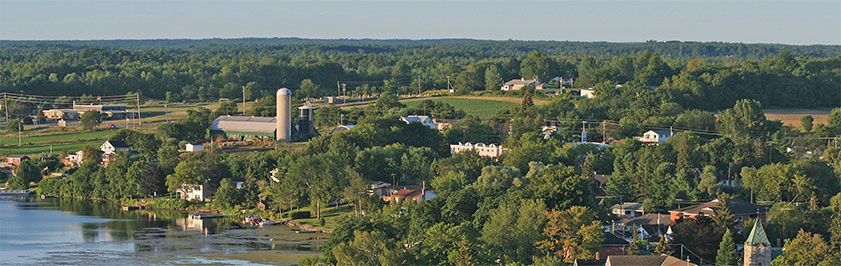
pixel 284 116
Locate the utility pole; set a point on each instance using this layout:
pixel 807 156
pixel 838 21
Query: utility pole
pixel 583 130
pixel 344 93
pixel 138 108
pixel 337 88
pixel 419 86
pixel 166 108
pixel 6 106
pixel 604 132
pixel 243 100
pixel 448 84
pixel 19 125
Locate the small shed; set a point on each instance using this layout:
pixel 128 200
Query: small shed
pixel 194 147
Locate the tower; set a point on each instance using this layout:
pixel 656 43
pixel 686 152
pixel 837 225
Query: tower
pixel 757 247
pixel 306 116
pixel 284 117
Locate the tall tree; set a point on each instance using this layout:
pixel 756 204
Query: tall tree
pixel 807 249
pixel 572 234
pixel 493 79
pixel 727 251
pixel 91 119
pixel 806 122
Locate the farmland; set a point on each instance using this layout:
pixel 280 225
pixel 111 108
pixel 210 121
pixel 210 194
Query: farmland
pixel 791 117
pixel 476 106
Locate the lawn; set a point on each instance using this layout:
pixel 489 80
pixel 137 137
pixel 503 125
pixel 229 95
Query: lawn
pixel 476 106
pixel 34 142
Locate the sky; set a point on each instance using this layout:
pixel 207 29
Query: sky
pixel 747 21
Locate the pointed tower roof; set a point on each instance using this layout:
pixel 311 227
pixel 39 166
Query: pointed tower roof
pixel 757 236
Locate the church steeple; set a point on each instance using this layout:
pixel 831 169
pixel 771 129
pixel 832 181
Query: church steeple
pixel 757 236
pixel 757 247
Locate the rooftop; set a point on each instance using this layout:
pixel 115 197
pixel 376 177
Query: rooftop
pixel 629 206
pixel 245 124
pixel 736 206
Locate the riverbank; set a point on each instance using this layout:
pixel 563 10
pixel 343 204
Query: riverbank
pixel 87 232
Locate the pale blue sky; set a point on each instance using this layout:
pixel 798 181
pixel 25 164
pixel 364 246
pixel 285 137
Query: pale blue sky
pixel 789 22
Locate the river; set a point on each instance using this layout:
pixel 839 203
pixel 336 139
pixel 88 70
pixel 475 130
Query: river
pixel 84 232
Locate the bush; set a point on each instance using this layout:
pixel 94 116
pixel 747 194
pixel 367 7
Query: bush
pixel 170 204
pixel 300 215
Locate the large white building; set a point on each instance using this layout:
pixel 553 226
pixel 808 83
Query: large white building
pixel 492 150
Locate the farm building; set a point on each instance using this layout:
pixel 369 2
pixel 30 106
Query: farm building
pixel 244 127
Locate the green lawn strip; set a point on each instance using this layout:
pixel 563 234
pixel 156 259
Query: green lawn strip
pixel 484 109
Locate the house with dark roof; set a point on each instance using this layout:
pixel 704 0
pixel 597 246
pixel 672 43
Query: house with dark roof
pixel 613 245
pixel 627 209
pixel 650 260
pixel 16 159
pixel 740 209
pixel 113 146
pixel 649 226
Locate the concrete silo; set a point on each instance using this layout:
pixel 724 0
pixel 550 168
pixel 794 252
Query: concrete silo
pixel 284 116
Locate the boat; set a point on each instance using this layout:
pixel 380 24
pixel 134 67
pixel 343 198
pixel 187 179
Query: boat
pixel 307 231
pixel 134 208
pixel 268 223
pixel 254 220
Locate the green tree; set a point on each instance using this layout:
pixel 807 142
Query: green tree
pixel 744 121
pixel 228 196
pixel 91 119
pixel 807 249
pixel 663 247
pixel 538 64
pixel 727 251
pixel 493 79
pixel 16 183
pixel 513 230
pixel 369 248
pixel 806 122
pixel 188 175
pixel 12 126
pixel 572 234
pixel 308 89
pixel 28 171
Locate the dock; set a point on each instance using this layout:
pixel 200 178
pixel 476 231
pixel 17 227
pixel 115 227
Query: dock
pixel 16 192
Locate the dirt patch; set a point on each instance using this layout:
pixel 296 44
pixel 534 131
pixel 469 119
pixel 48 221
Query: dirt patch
pixel 793 119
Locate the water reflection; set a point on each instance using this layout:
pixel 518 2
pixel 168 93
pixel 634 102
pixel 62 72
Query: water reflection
pixel 51 231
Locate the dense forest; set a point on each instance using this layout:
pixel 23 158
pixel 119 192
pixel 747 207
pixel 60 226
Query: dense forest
pixel 707 76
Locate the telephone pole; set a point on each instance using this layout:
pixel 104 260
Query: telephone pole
pixel 344 92
pixel 19 125
pixel 6 107
pixel 419 86
pixel 243 100
pixel 138 108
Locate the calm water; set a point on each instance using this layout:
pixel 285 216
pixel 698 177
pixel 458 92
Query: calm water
pixel 81 232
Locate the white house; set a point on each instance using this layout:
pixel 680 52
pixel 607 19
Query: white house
pixel 491 150
pixel 196 192
pixel 656 136
pixel 588 93
pixel 112 146
pixel 423 119
pixel 194 147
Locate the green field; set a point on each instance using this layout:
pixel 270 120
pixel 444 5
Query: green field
pixel 484 109
pixel 34 144
pixel 39 139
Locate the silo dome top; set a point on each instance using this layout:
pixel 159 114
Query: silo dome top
pixel 284 91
